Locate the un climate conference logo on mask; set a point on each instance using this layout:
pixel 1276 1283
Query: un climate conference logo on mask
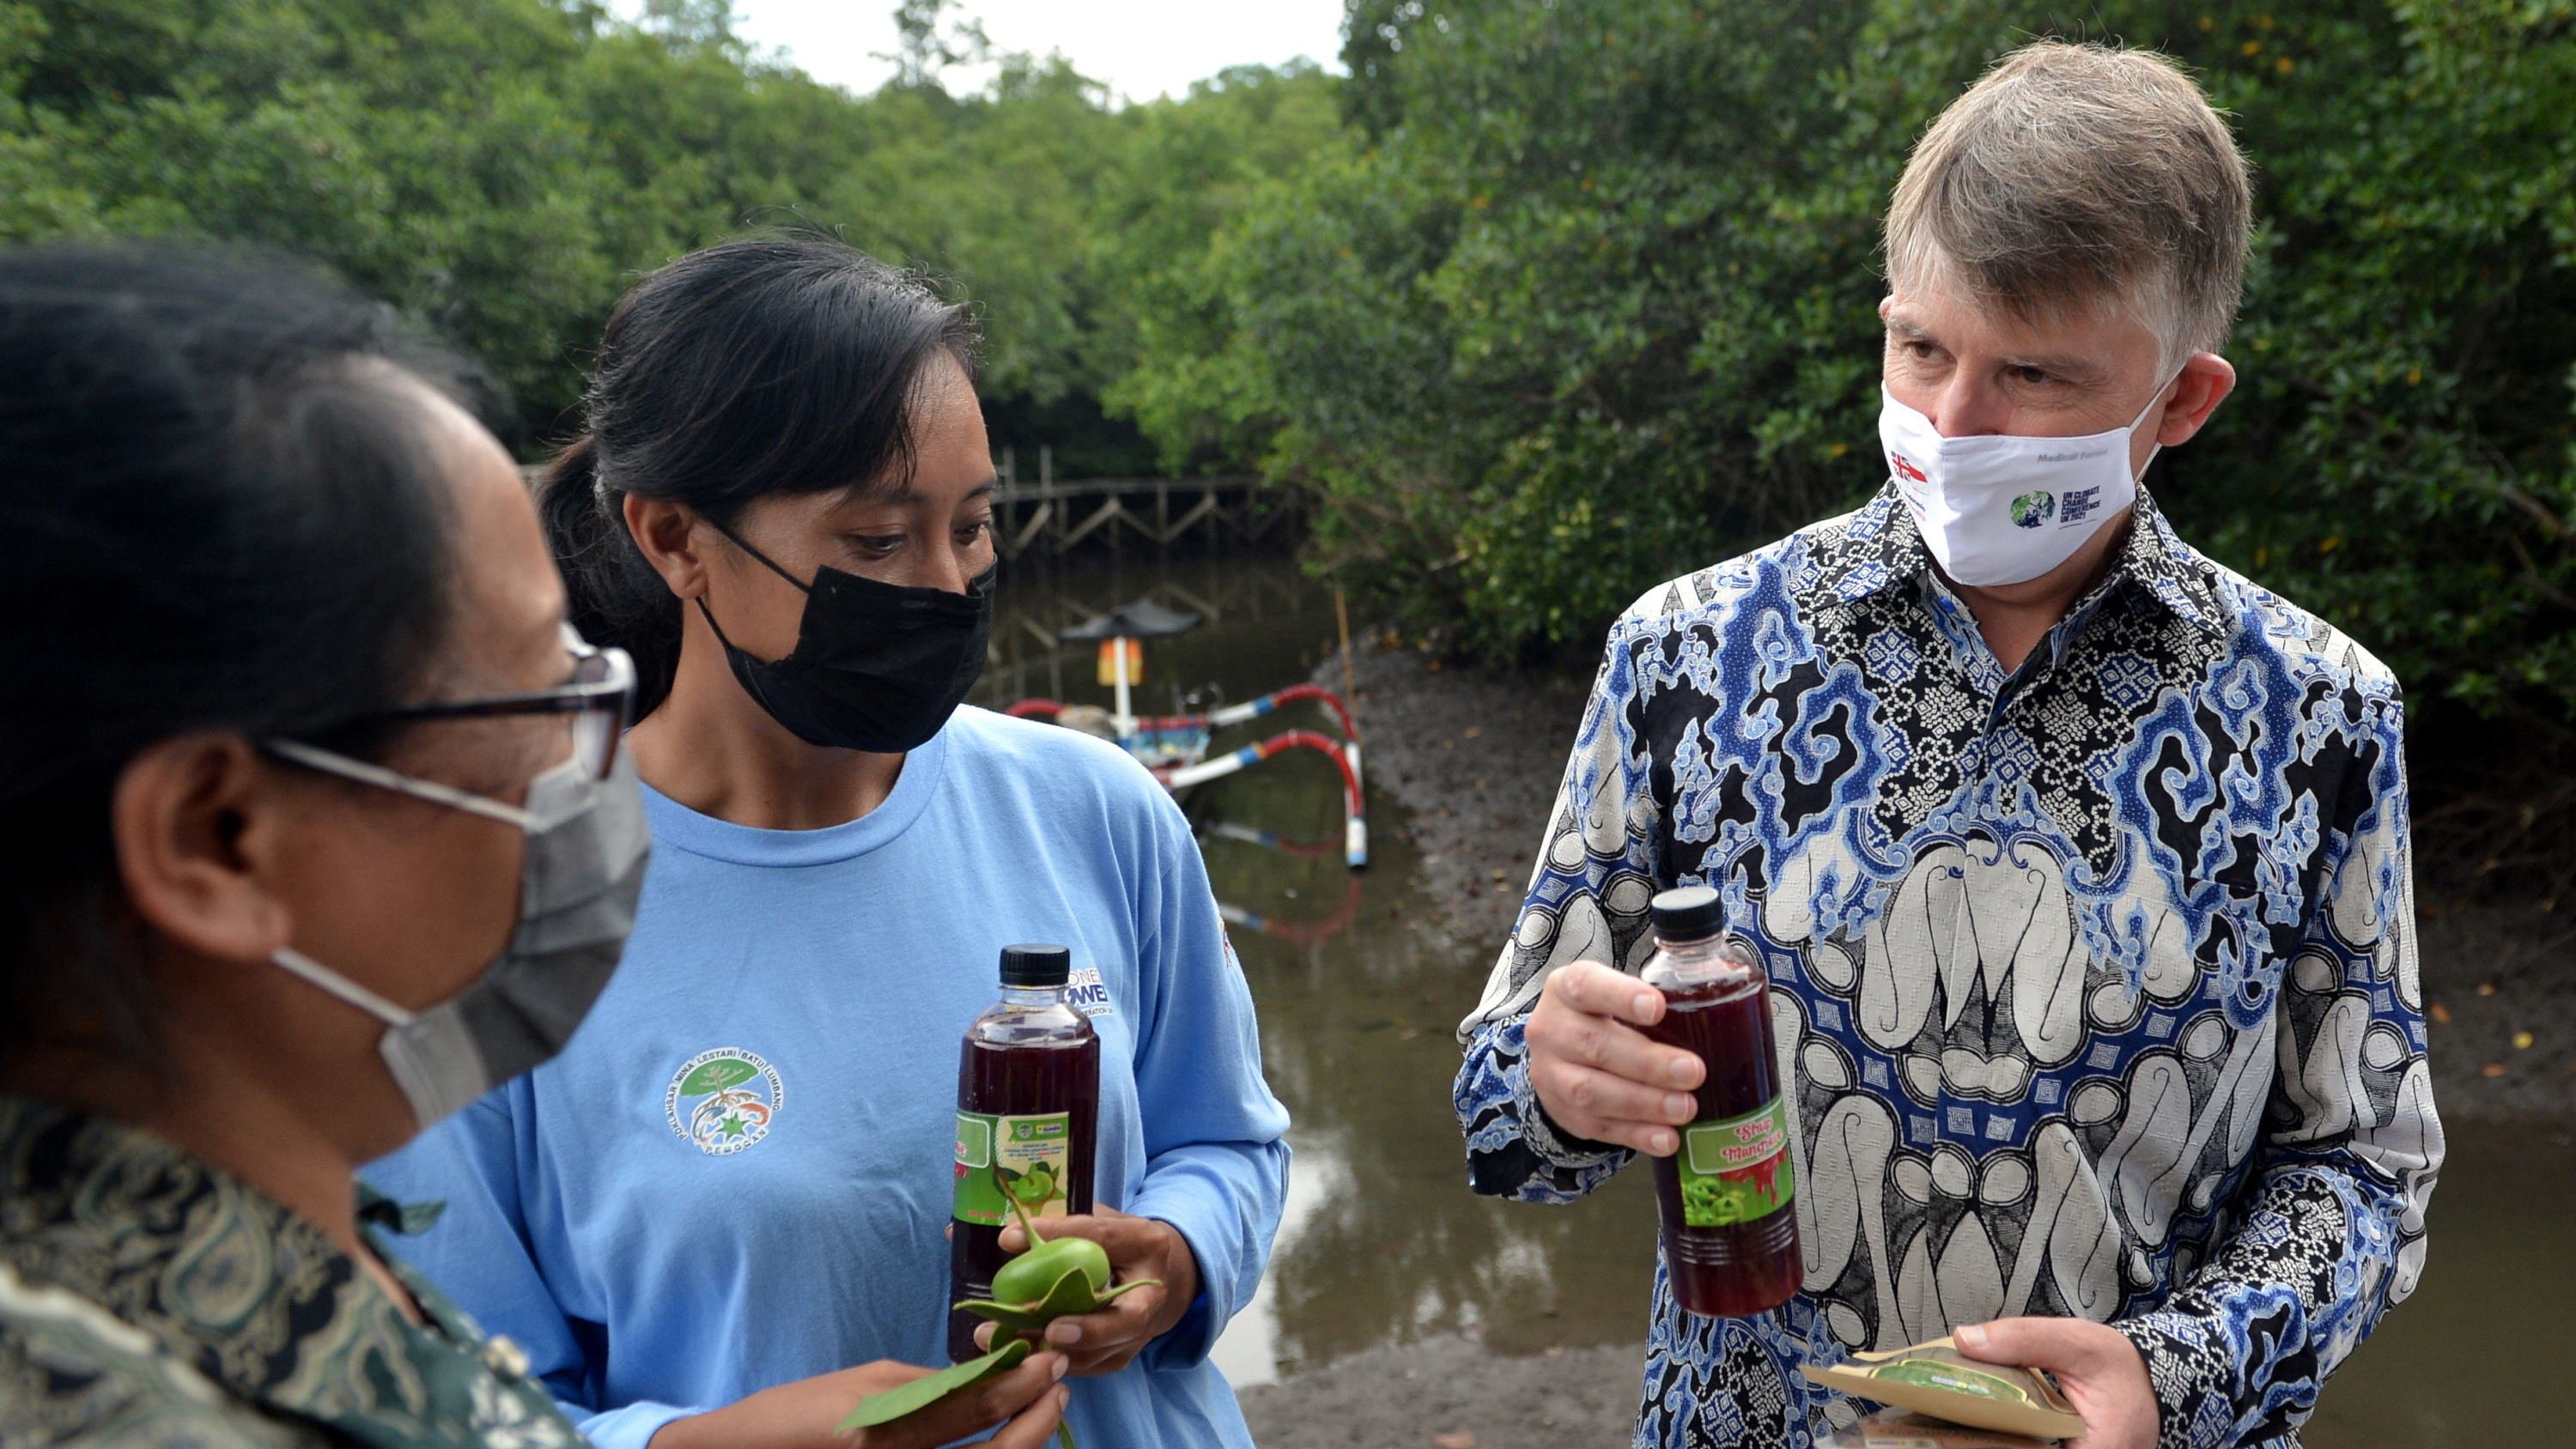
pixel 723 1100
pixel 2033 509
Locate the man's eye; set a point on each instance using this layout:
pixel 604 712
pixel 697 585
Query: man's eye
pixel 975 530
pixel 2031 376
pixel 878 544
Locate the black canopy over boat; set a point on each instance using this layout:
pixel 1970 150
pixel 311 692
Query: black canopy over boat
pixel 1141 619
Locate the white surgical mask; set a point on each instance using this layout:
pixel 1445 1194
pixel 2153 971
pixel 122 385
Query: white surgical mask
pixel 2003 509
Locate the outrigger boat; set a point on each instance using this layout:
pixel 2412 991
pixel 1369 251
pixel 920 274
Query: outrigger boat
pixel 1175 746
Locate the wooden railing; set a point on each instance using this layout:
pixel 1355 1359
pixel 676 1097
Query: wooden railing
pixel 1058 514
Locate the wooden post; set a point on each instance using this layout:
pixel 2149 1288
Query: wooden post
pixel 1125 721
pixel 1046 484
pixel 1342 621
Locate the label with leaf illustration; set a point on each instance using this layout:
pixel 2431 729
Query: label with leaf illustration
pixel 1736 1171
pixel 1027 1158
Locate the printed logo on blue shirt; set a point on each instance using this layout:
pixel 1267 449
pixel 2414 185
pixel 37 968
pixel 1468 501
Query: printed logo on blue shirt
pixel 723 1100
pixel 1087 993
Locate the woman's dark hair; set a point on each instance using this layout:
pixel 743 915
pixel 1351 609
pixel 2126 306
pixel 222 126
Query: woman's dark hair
pixel 224 514
pixel 777 364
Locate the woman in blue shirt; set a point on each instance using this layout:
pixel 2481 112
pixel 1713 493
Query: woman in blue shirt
pixel 782 509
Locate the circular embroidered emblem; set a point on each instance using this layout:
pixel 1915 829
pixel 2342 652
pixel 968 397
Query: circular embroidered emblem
pixel 2033 509
pixel 724 1100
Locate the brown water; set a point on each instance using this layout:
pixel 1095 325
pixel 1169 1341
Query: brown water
pixel 1382 1242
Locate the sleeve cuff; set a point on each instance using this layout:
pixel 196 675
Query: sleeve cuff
pixel 1187 1343
pixel 1559 1148
pixel 1190 1341
pixel 630 1427
pixel 1549 1142
pixel 2191 1372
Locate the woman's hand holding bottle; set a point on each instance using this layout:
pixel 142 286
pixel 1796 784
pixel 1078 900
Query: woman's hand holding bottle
pixel 1138 1248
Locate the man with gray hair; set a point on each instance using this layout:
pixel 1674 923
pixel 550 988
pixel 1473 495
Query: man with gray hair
pixel 2078 863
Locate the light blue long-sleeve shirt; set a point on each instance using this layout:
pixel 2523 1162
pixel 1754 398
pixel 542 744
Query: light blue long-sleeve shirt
pixel 661 1250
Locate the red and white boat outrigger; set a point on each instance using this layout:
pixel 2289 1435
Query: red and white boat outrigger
pixel 1175 746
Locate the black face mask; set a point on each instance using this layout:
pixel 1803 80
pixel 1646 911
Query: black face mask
pixel 877 667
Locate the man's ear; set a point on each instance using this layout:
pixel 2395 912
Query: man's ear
pixel 2206 381
pixel 667 534
pixel 199 827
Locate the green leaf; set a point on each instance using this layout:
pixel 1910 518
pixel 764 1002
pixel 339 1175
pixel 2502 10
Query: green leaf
pixel 1007 1317
pixel 929 1389
pixel 718 1075
pixel 1071 1296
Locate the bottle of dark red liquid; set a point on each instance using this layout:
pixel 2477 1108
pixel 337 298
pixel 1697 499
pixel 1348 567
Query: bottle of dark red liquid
pixel 1730 1227
pixel 1028 1114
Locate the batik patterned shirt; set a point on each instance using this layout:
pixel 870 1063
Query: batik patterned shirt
pixel 150 1301
pixel 2093 981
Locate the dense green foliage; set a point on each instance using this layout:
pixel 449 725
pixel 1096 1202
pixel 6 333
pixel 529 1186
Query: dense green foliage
pixel 503 168
pixel 1588 298
pixel 1548 300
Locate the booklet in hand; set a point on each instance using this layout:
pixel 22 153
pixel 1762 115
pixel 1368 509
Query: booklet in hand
pixel 1936 1379
pixel 1906 1429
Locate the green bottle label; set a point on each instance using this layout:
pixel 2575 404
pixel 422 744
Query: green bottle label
pixel 1736 1171
pixel 1029 1158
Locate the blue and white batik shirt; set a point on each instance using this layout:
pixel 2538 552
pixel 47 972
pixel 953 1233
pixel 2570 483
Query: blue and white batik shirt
pixel 2094 981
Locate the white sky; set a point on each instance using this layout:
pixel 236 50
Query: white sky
pixel 1140 48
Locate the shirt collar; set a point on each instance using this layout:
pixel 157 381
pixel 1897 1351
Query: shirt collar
pixel 2171 571
pixel 217 1273
pixel 1879 547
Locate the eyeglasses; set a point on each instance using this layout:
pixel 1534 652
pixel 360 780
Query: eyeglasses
pixel 600 697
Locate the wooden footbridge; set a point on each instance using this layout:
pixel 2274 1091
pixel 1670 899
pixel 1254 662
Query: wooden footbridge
pixel 1057 515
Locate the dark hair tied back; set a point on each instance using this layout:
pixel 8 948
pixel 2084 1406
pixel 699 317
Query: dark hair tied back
pixel 225 514
pixel 777 364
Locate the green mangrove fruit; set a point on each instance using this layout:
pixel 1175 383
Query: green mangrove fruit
pixel 1033 1274
pixel 1050 1279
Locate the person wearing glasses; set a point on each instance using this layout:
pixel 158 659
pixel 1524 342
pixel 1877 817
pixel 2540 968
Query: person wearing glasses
pixel 314 827
pixel 739 1180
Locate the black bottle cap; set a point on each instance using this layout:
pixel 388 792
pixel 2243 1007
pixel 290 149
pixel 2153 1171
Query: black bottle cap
pixel 1036 965
pixel 1687 913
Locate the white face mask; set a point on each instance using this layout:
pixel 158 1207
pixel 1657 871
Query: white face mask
pixel 2002 509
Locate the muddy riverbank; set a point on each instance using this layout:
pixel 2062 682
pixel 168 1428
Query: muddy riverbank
pixel 1452 1391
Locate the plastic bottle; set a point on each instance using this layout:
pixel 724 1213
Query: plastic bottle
pixel 1028 1113
pixel 1730 1227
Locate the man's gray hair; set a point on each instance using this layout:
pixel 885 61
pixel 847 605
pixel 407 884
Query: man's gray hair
pixel 2078 177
